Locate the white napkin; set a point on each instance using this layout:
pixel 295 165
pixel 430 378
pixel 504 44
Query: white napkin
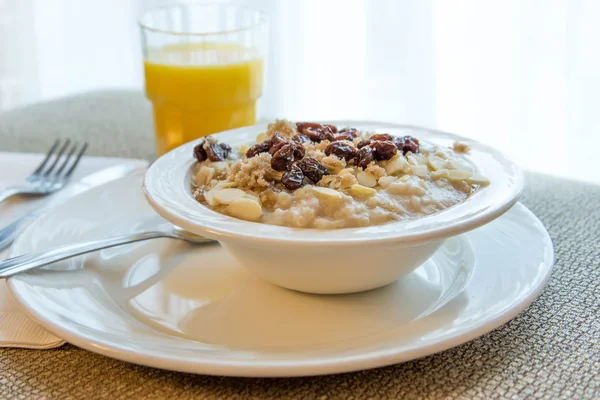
pixel 16 328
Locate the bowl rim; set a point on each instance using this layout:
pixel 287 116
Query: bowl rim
pixel 167 190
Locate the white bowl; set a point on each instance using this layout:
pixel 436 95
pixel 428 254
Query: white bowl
pixel 338 260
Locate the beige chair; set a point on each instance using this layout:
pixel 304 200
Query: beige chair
pixel 114 122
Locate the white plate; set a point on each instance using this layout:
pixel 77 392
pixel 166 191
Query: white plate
pixel 16 167
pixel 169 305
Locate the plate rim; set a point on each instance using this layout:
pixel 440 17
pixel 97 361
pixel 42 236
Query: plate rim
pixel 337 364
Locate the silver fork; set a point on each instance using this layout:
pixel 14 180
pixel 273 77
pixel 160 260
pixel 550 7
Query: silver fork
pixel 52 174
pixel 31 261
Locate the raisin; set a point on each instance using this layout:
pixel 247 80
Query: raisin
pixel 312 169
pixel 353 131
pixel 292 179
pixel 284 157
pixel 298 151
pixel 363 143
pixel 277 139
pixel 382 136
pixel 301 138
pixel 215 152
pixel 316 132
pixel 319 134
pixel 276 147
pixel 344 136
pixel 199 152
pixel 399 142
pixel 406 144
pixel 313 134
pixel 257 149
pixel 342 150
pixel 410 144
pixel 302 126
pixel 225 147
pixel 327 134
pixel 383 149
pixel 332 128
pixel 364 157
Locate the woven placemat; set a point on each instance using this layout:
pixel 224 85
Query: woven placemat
pixel 551 350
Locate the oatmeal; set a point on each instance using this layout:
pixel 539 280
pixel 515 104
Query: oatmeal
pixel 318 176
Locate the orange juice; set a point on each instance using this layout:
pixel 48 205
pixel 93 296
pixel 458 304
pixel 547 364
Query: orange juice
pixel 199 89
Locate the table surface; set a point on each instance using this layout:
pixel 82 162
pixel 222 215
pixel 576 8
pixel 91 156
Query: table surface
pixel 551 350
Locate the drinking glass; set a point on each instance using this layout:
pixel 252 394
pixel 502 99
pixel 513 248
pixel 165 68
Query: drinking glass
pixel 203 65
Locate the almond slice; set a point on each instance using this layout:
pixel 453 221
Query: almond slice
pixel 396 165
pixel 398 188
pixel 327 192
pixel 420 170
pixel 454 164
pixel 244 208
pixel 458 175
pixel 442 173
pixel 204 176
pixel 478 180
pixel 414 159
pixel 385 181
pixel 210 195
pixel 227 196
pixel 366 179
pixel 253 198
pixel 362 191
pixel 436 163
pixel 416 190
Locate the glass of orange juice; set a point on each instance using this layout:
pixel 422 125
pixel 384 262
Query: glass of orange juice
pixel 204 69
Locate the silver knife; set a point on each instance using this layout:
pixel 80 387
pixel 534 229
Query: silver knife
pixel 10 232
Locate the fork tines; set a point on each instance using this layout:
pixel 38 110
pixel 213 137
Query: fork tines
pixel 60 162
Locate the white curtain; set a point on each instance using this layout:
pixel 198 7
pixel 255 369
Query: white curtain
pixel 18 71
pixel 522 75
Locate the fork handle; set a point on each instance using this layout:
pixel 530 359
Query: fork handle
pixel 30 261
pixel 8 192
